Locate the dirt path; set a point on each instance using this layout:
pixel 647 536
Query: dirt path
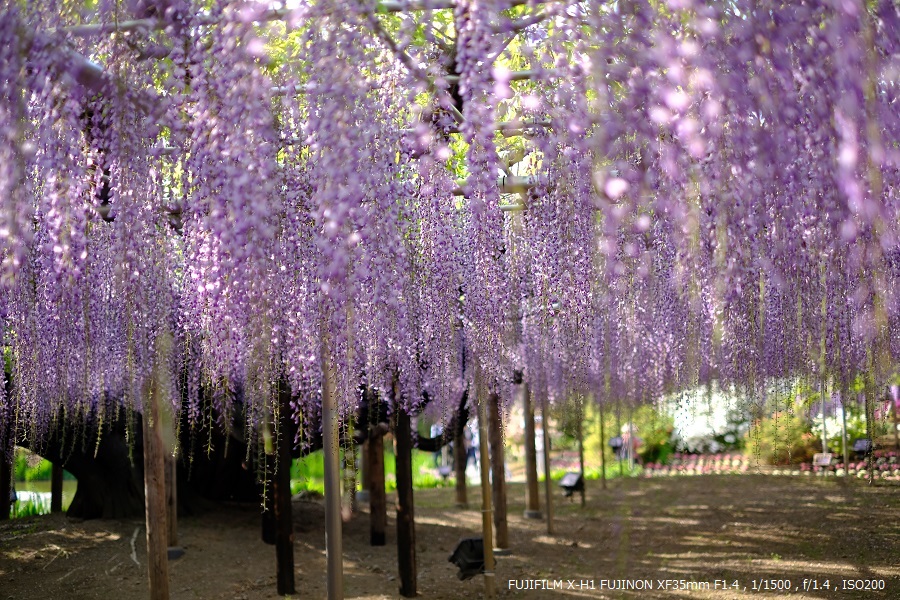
pixel 690 532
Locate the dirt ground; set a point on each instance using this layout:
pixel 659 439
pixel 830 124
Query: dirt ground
pixel 736 532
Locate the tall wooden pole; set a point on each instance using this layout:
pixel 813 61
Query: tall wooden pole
pixel 490 587
pixel 56 488
pixel 281 491
pixel 498 469
pixel 581 453
pixel 406 528
pixel 460 458
pixel 363 494
pixel 171 500
pixel 333 543
pixel 842 395
pixel 895 399
pixel 602 447
pixel 155 495
pixel 532 493
pixel 6 474
pixel 377 496
pixel 548 482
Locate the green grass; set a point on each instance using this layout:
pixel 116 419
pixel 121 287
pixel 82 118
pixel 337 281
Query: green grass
pixel 308 473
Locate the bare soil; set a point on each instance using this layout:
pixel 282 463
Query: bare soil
pixel 692 531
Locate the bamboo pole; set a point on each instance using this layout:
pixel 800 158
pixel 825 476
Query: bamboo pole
pixel 490 589
pixel 331 439
pixel 548 483
pixel 532 493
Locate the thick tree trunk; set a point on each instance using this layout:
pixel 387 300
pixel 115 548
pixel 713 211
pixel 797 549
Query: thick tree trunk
pixel 532 494
pixel 406 530
pixel 109 484
pixel 498 469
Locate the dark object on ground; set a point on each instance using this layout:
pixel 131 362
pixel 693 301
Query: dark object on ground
pixel 572 482
pixel 469 557
pixel 861 447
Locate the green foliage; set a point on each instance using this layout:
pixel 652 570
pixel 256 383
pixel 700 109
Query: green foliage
pixel 30 508
pixel 784 438
pixel 308 473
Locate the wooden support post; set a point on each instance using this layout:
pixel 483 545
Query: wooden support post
pixel 548 482
pixel 532 494
pixel 581 453
pixel 895 392
pixel 460 458
pixel 172 499
pixel 281 492
pixel 490 586
pixel 377 497
pixel 6 474
pixel 363 494
pixel 602 447
pixel 56 488
pixel 498 469
pixel 333 541
pixel 155 495
pixel 406 528
pixel 842 395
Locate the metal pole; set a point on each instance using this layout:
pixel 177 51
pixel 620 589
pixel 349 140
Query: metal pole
pixel 333 545
pixel 490 586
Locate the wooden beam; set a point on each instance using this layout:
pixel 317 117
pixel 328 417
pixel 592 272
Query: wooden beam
pixel 532 495
pixel 498 469
pixel 281 491
pixel 278 14
pixel 406 526
pixel 377 496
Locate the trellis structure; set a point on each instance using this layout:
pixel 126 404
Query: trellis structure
pixel 702 192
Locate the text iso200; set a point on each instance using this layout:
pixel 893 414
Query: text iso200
pixel 862 584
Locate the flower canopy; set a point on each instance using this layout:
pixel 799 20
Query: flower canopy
pixel 625 198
